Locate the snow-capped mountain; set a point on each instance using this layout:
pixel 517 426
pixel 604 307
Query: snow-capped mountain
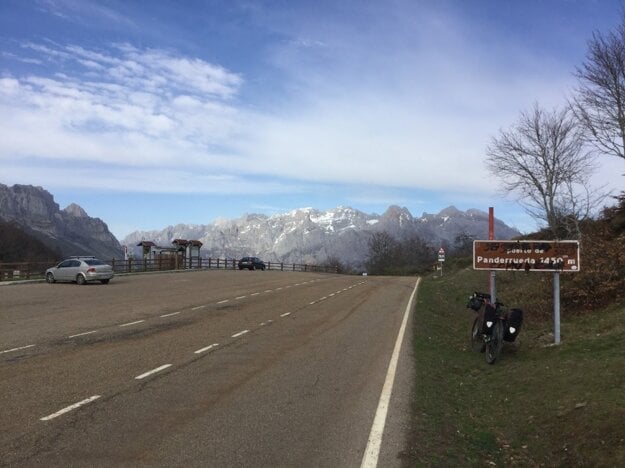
pixel 308 235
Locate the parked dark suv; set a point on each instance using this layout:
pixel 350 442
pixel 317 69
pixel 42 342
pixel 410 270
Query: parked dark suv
pixel 251 263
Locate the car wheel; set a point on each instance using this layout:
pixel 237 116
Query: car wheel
pixel 105 281
pixel 50 278
pixel 80 279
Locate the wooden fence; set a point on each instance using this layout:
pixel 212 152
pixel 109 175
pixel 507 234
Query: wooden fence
pixel 36 270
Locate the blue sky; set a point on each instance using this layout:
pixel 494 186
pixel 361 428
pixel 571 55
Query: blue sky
pixel 152 113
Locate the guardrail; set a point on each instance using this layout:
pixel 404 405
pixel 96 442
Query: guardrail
pixel 36 270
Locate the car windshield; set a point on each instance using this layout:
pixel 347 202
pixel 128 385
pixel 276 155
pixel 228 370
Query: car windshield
pixel 94 261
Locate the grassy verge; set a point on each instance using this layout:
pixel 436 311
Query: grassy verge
pixel 538 405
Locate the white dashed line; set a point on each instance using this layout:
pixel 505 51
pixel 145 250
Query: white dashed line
pixel 286 314
pixel 268 290
pixel 255 294
pixel 203 350
pixel 170 315
pixel 83 333
pixel 224 301
pixel 70 408
pixel 240 297
pixel 17 349
pixel 312 303
pixel 153 371
pixel 278 289
pixel 241 333
pixel 198 307
pixel 131 323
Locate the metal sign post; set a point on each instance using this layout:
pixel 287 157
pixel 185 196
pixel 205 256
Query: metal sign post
pixel 441 258
pixel 553 256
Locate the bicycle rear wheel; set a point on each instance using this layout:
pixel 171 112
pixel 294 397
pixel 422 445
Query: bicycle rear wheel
pixel 494 345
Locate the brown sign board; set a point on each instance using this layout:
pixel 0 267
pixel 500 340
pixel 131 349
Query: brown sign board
pixel 561 256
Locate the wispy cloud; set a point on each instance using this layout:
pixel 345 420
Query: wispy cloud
pixel 128 107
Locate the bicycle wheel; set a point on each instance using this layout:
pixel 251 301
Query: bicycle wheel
pixel 477 342
pixel 494 345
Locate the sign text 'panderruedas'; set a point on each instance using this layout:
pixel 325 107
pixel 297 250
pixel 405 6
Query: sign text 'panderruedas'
pixel 562 256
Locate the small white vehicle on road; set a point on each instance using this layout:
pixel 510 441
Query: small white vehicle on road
pixel 80 270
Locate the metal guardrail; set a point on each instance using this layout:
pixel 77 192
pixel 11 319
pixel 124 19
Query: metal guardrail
pixel 36 270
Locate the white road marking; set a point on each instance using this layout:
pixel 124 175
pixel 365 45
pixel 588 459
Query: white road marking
pixel 240 297
pixel 83 333
pixel 70 408
pixel 323 298
pixel 153 371
pixel 224 301
pixel 236 335
pixel 278 289
pixel 17 349
pixel 198 307
pixel 131 323
pixel 312 303
pixel 170 315
pixel 202 350
pixel 255 294
pixel 285 314
pixel 372 452
pixel 268 290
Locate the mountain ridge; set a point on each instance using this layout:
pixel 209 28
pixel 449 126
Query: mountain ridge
pixel 309 235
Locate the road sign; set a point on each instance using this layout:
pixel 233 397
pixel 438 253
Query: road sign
pixel 441 255
pixel 558 256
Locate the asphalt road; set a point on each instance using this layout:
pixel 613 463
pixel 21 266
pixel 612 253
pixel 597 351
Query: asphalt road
pixel 212 368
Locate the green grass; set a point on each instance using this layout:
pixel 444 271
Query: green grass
pixel 539 404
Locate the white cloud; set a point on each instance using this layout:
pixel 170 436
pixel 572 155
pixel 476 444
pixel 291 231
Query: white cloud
pixel 408 102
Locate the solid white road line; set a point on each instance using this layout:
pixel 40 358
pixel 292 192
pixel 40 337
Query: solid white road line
pixel 17 349
pixel 153 371
pixel 83 333
pixel 236 335
pixel 202 350
pixel 131 323
pixel 70 408
pixel 372 452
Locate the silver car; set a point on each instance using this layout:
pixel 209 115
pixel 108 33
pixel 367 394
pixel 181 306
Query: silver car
pixel 80 270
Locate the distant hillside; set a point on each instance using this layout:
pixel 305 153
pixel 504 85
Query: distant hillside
pixel 16 245
pixel 70 231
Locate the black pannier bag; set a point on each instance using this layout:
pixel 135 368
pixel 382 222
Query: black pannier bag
pixel 514 322
pixel 490 315
pixel 475 303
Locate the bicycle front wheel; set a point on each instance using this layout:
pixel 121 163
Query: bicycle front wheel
pixel 494 345
pixel 477 341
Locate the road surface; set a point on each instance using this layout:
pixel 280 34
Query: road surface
pixel 210 368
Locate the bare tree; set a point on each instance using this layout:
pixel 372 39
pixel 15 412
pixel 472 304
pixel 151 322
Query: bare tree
pixel 542 161
pixel 599 103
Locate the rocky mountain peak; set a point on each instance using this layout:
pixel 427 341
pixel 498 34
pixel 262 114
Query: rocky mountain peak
pixel 70 231
pixel 76 211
